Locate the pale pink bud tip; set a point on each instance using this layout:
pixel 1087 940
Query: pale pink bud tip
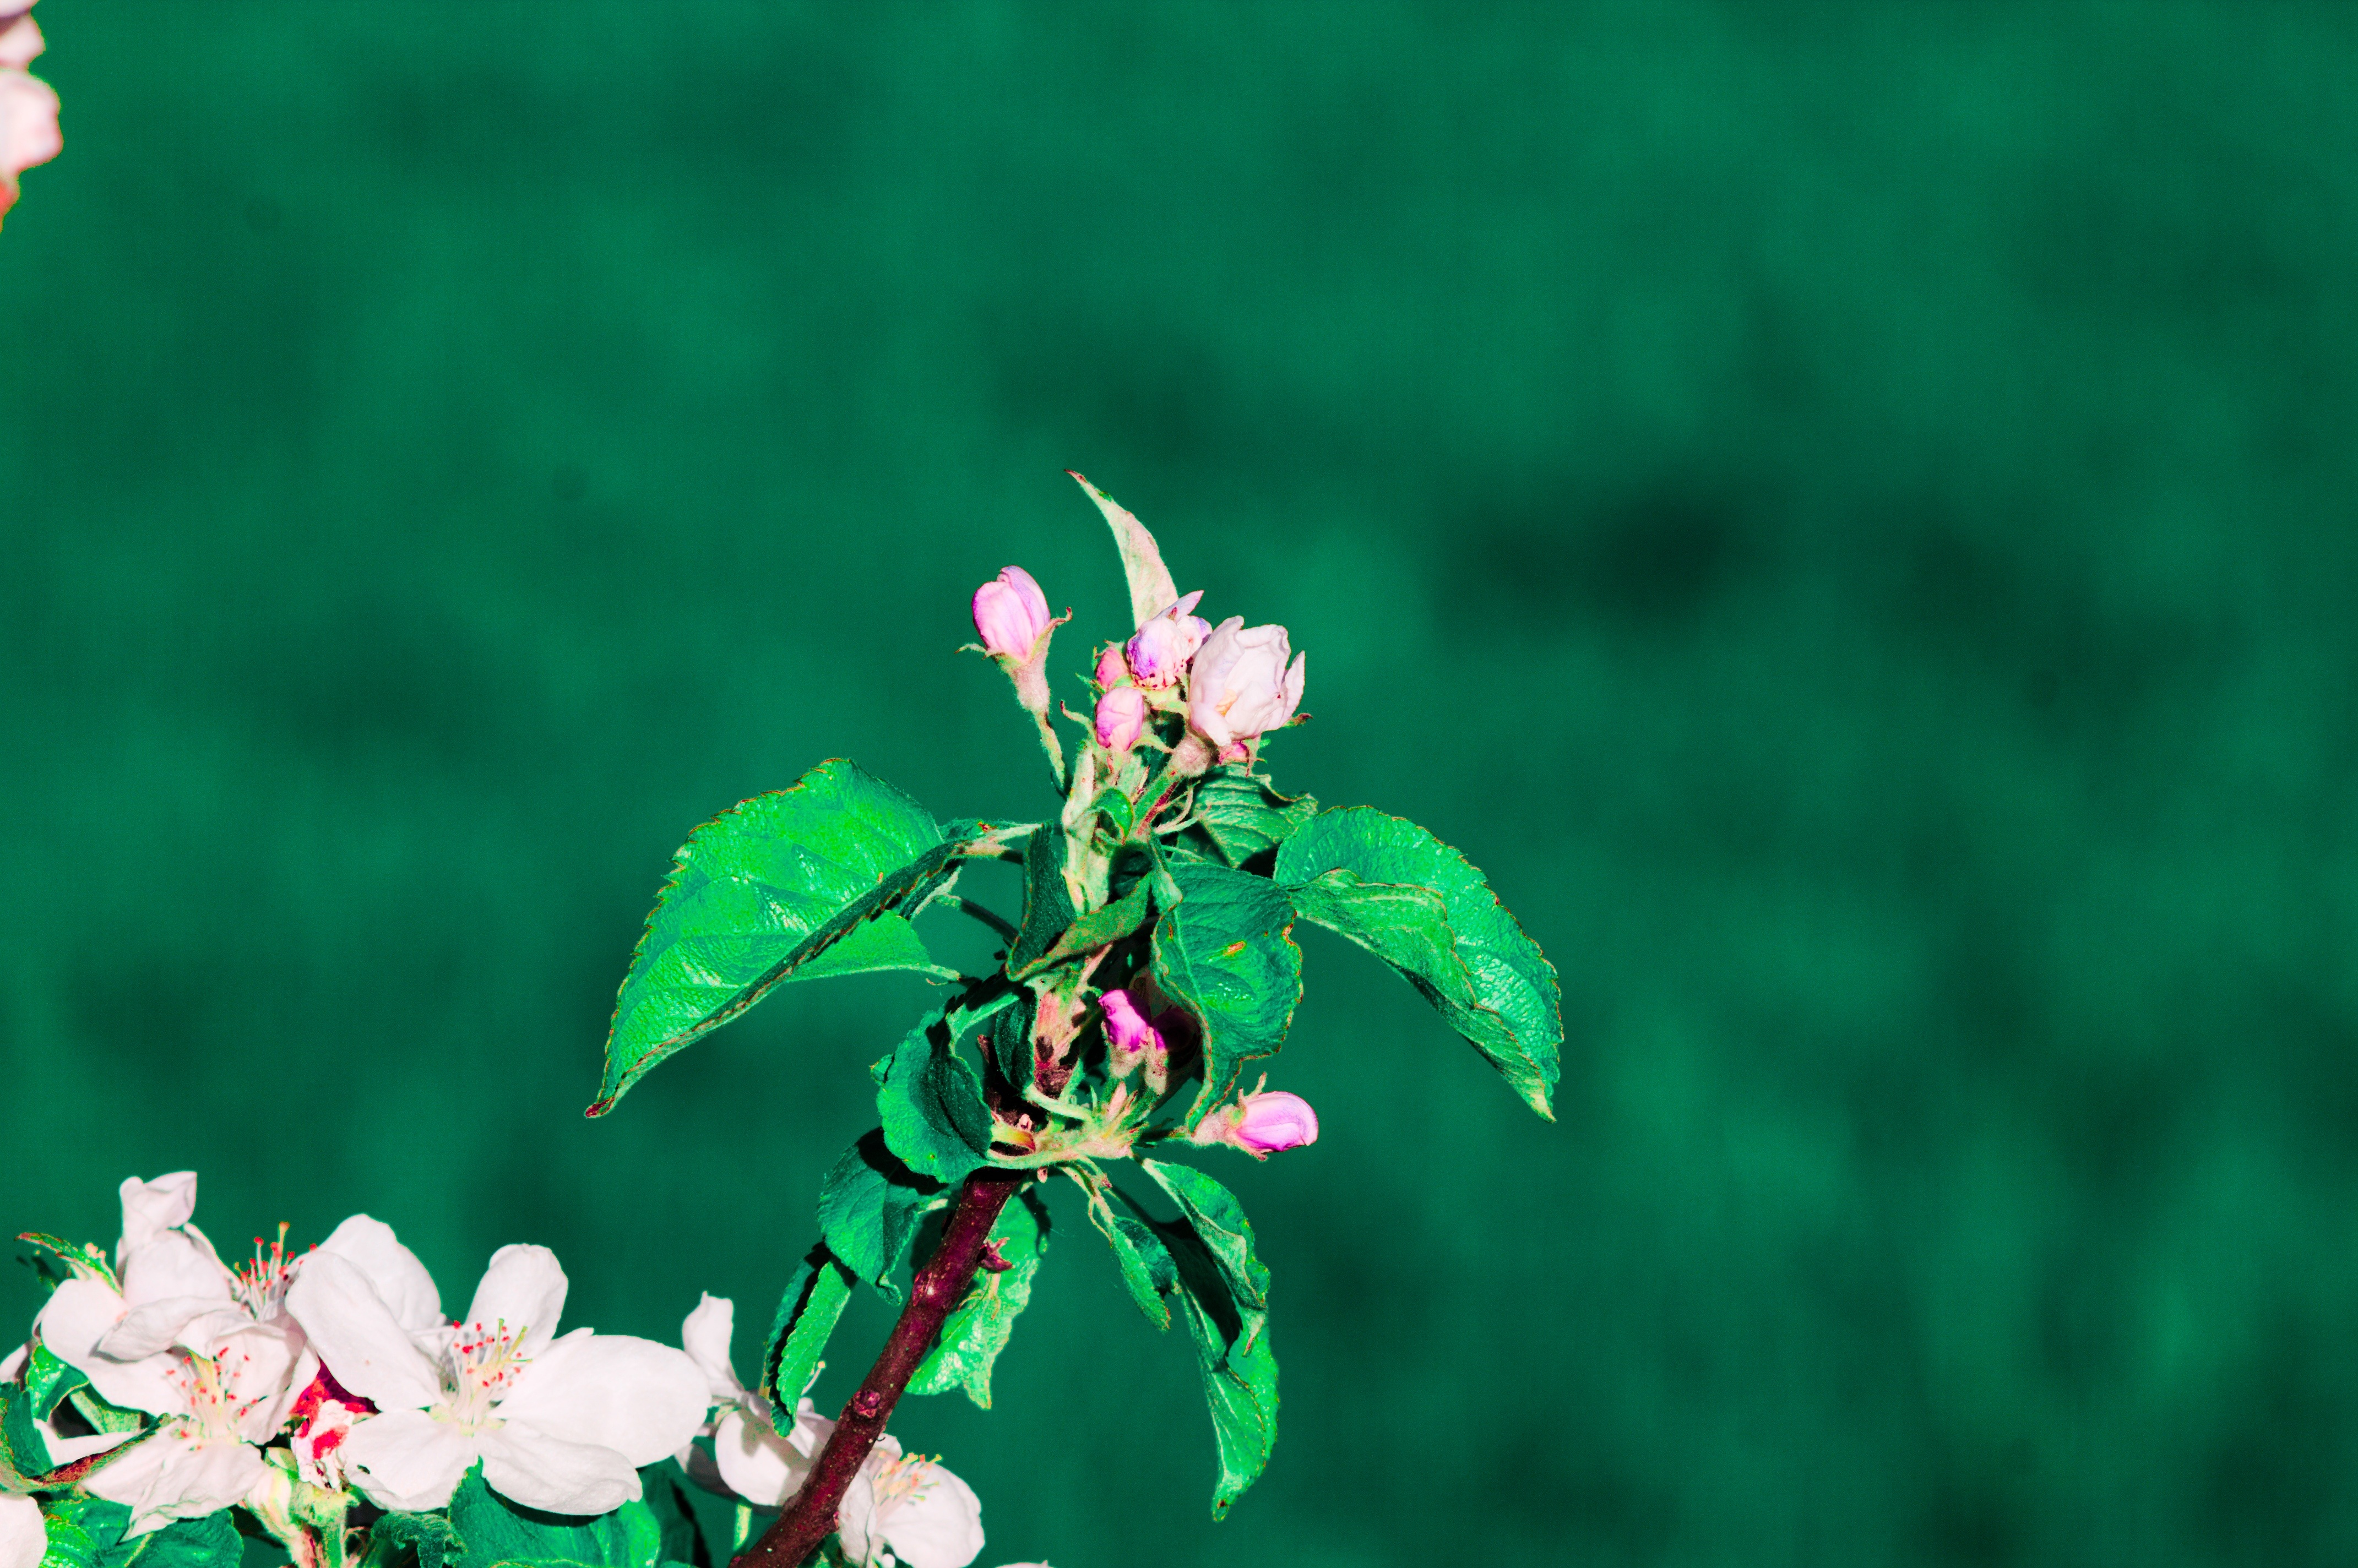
pixel 1121 717
pixel 1011 614
pixel 1261 1123
pixel 1113 669
pixel 1159 653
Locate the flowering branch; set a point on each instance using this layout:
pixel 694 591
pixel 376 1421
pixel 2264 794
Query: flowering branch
pixel 934 1290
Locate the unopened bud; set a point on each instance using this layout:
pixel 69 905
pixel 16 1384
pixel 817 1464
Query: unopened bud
pixel 1160 652
pixel 1242 687
pixel 1260 1123
pixel 1130 1039
pixel 1113 668
pixel 1122 717
pixel 1011 614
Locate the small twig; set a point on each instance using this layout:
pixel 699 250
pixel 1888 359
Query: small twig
pixel 968 907
pixel 811 1518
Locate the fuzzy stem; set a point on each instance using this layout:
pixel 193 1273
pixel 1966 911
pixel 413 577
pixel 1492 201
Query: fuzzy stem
pixel 810 1519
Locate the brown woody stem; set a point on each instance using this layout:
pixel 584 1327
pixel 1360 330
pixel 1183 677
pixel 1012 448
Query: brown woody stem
pixel 811 1516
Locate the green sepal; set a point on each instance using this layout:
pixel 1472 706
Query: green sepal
pixel 1243 819
pixel 869 1209
pixel 103 1416
pixel 83 1528
pixel 1220 1223
pixel 1150 588
pixel 210 1542
pixel 1414 902
pixel 1226 954
pixel 929 1099
pixel 768 892
pixel 805 1319
pixel 57 1262
pixel 491 1531
pixel 431 1538
pixel 1098 928
pixel 979 1327
pixel 49 1379
pixel 1047 901
pixel 1147 1271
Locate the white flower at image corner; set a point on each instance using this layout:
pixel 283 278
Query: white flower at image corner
pixel 909 1508
pixel 24 1534
pixel 559 1423
pixel 750 1458
pixel 208 1352
pixel 29 106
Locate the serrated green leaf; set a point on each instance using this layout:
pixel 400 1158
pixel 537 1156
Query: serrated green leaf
pixel 979 1326
pixel 1150 588
pixel 24 1453
pixel 493 1531
pixel 1241 1388
pixel 1219 1222
pixel 210 1542
pixel 1047 901
pixel 929 1100
pixel 759 896
pixel 83 1528
pixel 869 1209
pixel 1226 953
pixel 1147 1271
pixel 430 1536
pixel 1414 902
pixel 1098 928
pixel 805 1319
pixel 1244 818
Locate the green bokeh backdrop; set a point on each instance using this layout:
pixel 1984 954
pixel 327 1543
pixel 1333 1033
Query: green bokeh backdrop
pixel 1843 510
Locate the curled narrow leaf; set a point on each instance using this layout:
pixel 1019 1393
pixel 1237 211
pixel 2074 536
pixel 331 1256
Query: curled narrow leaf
pixel 1414 902
pixel 808 1312
pixel 796 884
pixel 869 1209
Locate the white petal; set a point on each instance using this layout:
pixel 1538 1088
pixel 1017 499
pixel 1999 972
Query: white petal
pixel 24 1538
pixel 705 1337
pixel 151 1208
pixel 401 1281
pixel 811 1429
pixel 938 1526
pixel 524 1289
pixel 270 1415
pixel 257 1362
pixel 158 1325
pixel 697 1463
pixel 77 1315
pixel 759 1466
pixel 176 1263
pixel 356 1335
pixel 638 1397
pixel 528 1465
pixel 170 1475
pixel 11 1369
pixel 407 1460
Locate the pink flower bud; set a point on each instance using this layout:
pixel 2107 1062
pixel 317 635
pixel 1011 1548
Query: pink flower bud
pixel 1260 1123
pixel 20 40
pixel 28 111
pixel 1159 653
pixel 1130 1039
pixel 1122 717
pixel 1241 687
pixel 1011 613
pixel 1113 669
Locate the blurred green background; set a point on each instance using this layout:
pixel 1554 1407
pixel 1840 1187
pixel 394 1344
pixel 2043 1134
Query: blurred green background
pixel 1842 510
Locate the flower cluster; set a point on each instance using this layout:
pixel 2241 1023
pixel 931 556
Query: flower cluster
pixel 294 1385
pixel 29 106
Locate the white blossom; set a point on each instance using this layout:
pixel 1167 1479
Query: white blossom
pixel 749 1457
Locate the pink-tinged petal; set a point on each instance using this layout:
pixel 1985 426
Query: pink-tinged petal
pixel 407 1460
pixel 24 1538
pixel 527 1466
pixel 638 1397
pixel 77 1315
pixel 151 1208
pixel 523 1288
pixel 1120 718
pixel 171 1474
pixel 20 42
pixel 358 1338
pixel 705 1337
pixel 1028 592
pixel 400 1280
pixel 174 1264
pixel 758 1464
pixel 938 1526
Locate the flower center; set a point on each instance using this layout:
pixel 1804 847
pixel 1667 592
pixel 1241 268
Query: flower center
pixel 261 1286
pixel 902 1480
pixel 213 1410
pixel 481 1365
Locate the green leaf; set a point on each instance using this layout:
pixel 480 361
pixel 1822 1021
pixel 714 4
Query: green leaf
pixel 1147 1271
pixel 24 1453
pixel 1241 1388
pixel 1220 1223
pixel 210 1542
pixel 102 1416
pixel 83 1528
pixel 807 1316
pixel 1098 928
pixel 759 896
pixel 979 1326
pixel 1047 902
pixel 1244 818
pixel 930 1100
pixel 1225 953
pixel 430 1536
pixel 49 1379
pixel 1415 902
pixel 1150 588
pixel 495 1530
pixel 869 1208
